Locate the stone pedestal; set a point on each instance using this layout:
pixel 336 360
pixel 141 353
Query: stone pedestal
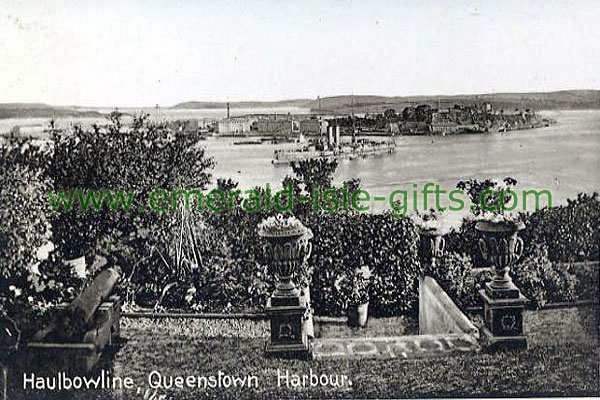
pixel 287 250
pixel 288 336
pixel 503 302
pixel 503 321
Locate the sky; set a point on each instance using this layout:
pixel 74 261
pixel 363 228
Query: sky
pixel 140 53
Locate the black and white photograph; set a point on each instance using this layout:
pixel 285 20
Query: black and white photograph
pixel 264 199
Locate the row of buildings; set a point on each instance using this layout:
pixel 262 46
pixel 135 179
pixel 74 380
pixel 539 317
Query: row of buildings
pixel 271 125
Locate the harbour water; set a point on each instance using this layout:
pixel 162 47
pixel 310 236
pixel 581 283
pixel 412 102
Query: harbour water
pixel 563 158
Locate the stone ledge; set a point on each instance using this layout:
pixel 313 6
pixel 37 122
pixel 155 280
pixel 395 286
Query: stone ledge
pixel 403 347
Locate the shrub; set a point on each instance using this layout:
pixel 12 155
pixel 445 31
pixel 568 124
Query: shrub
pixel 28 285
pixel 388 247
pixel 353 286
pixel 454 272
pixel 466 241
pixel 587 279
pixel 141 159
pixel 541 280
pixel 570 232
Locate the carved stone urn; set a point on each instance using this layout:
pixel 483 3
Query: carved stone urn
pixel 503 302
pixel 287 248
pixel 431 245
pixel 502 247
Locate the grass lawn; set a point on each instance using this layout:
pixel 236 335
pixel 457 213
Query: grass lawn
pixel 563 359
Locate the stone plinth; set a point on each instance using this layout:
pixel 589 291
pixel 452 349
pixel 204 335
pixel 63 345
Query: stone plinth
pixel 503 302
pixel 288 336
pixel 287 248
pixel 503 321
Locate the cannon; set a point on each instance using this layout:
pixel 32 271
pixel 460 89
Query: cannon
pixel 81 330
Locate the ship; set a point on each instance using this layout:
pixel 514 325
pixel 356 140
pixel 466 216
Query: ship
pixel 358 149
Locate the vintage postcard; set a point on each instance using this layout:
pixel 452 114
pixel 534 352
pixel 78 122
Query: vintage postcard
pixel 299 199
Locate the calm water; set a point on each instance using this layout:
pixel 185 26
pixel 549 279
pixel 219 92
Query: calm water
pixel 563 158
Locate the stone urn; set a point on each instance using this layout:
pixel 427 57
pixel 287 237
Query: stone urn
pixel 431 245
pixel 501 246
pixel 503 302
pixel 287 250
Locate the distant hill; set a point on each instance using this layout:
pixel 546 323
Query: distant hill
pixel 565 100
pixel 559 100
pixel 242 104
pixel 39 110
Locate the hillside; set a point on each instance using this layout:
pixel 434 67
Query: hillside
pixel 242 104
pixel 566 100
pixel 39 110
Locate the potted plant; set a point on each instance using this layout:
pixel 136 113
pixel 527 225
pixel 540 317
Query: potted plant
pixel 354 291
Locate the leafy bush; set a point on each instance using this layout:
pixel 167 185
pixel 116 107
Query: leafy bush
pixel 466 241
pixel 28 284
pixel 497 194
pixel 543 281
pixel 388 247
pixel 454 273
pixel 146 244
pixel 353 286
pixel 588 280
pixel 570 232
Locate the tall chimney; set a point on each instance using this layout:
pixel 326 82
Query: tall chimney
pixel 227 110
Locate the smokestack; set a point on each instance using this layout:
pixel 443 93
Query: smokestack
pixel 227 110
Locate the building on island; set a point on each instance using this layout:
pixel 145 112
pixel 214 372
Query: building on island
pixel 275 125
pixel 234 126
pixel 313 127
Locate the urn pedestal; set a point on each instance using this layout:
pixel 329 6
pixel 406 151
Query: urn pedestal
pixel 288 337
pixel 287 249
pixel 503 302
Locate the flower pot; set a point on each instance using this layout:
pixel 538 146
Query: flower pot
pixel 358 314
pixel 431 245
pixel 287 249
pixel 502 247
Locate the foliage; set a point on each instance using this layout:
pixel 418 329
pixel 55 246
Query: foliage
pixel 489 195
pixel 571 232
pixel 28 284
pixel 141 159
pixel 543 281
pixel 466 241
pixel 387 245
pixel 454 272
pixel 150 246
pixel 353 286
pixel 213 261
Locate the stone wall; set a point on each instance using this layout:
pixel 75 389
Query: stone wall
pixel 438 313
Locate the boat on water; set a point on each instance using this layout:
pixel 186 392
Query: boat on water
pixel 242 142
pixel 351 151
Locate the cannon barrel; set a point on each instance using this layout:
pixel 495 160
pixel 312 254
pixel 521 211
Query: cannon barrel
pixel 77 317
